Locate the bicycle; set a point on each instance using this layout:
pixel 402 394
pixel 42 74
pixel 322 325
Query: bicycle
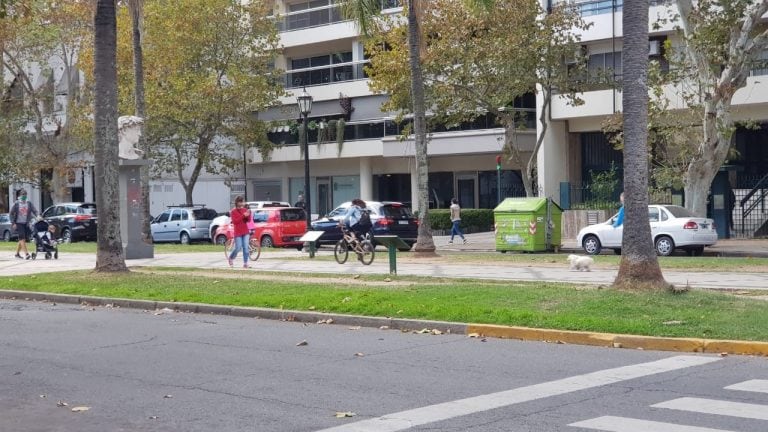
pixel 254 246
pixel 362 247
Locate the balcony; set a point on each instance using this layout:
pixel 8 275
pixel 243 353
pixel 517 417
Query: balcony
pixel 320 16
pixel 322 75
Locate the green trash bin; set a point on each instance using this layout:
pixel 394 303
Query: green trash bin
pixel 527 225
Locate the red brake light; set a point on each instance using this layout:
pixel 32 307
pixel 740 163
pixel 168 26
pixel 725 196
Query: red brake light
pixel 82 217
pixel 385 221
pixel 691 225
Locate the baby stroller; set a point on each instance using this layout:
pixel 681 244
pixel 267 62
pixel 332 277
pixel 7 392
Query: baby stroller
pixel 44 240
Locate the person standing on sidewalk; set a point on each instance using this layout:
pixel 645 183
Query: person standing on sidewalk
pixel 620 216
pixel 22 213
pixel 456 221
pixel 240 215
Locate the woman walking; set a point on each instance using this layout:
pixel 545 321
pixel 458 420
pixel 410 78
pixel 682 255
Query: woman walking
pixel 455 221
pixel 240 216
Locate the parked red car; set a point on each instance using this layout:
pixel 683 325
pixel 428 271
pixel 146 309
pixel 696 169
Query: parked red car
pixel 275 227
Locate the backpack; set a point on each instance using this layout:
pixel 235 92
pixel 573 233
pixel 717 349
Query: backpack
pixel 365 218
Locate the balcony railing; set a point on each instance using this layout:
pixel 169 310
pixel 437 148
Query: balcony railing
pixel 320 16
pixel 597 7
pixel 323 75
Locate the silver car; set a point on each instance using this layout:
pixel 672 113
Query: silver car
pixel 183 225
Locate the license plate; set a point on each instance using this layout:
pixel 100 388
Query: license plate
pixel 705 225
pixel 402 222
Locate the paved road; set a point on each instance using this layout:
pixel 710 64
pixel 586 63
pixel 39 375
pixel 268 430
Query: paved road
pixel 294 261
pixel 138 371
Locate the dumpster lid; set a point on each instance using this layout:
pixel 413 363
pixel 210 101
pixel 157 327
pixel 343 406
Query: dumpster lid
pixel 522 205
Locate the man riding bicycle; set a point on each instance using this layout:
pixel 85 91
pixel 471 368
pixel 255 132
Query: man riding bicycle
pixel 357 218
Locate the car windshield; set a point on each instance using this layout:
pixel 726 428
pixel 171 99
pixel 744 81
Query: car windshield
pixel 396 212
pixel 204 213
pixel 338 211
pixel 679 212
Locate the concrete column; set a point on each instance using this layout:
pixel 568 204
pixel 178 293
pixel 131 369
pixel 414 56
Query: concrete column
pixel 552 159
pixel 366 179
pixel 414 184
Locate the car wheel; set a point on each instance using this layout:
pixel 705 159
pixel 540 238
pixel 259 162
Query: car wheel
pixel 66 236
pixel 184 238
pixel 221 239
pixel 664 246
pixel 591 245
pixel 7 236
pixel 266 242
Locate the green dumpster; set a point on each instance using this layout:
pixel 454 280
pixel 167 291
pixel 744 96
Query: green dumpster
pixel 527 225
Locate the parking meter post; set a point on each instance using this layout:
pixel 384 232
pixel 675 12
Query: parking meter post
pixel 311 249
pixel 392 258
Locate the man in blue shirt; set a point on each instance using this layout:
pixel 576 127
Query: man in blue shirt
pixel 620 216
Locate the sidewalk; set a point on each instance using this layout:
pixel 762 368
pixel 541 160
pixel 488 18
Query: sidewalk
pixel 757 248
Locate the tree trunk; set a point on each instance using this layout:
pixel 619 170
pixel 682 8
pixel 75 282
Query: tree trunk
pixel 109 252
pixel 136 7
pixel 639 267
pixel 424 242
pixel 509 122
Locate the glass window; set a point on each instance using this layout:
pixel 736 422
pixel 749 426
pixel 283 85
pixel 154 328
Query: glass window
pixel 49 212
pixel 345 188
pixel 292 215
pixel 396 212
pixel 87 209
pixel 440 189
pixel 175 216
pixel 164 216
pixel 653 214
pixel 678 211
pixel 260 216
pixel 184 215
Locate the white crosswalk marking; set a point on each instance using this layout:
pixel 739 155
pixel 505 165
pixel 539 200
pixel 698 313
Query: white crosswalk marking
pixel 759 386
pixel 447 410
pixel 623 424
pixel 717 407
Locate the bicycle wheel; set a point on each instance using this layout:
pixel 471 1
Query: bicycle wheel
pixel 229 246
pixel 254 249
pixel 341 251
pixel 367 254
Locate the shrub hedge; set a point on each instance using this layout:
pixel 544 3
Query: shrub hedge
pixel 476 220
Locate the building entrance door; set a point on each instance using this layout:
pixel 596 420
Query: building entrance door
pixel 466 185
pixel 324 198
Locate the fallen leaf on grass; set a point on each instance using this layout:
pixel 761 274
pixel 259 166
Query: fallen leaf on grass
pixel 302 343
pixel 673 322
pixel 80 408
pixel 311 308
pixel 387 280
pixel 357 276
pixel 346 299
pixel 340 414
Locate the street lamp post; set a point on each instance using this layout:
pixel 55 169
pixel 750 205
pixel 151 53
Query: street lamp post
pixel 304 101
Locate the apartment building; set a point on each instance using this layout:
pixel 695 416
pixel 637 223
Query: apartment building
pixel 323 54
pixel 575 145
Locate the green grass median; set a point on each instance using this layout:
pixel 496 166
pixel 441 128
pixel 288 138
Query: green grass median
pixel 701 314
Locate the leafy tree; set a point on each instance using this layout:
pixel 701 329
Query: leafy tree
pixel 639 266
pixel 722 40
pixel 109 252
pixel 208 68
pixel 482 62
pixel 39 41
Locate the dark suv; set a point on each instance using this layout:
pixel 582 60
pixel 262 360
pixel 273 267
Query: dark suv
pixel 73 221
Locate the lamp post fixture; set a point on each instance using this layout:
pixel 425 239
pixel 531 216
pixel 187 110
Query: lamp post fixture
pixel 304 101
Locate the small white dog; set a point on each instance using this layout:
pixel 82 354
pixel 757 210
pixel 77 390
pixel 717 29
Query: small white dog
pixel 580 263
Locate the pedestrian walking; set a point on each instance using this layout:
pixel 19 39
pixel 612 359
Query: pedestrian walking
pixel 240 215
pixel 456 221
pixel 300 202
pixel 22 213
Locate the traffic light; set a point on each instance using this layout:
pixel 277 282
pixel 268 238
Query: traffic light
pixel 498 162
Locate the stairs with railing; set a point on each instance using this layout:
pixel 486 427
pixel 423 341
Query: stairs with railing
pixel 754 211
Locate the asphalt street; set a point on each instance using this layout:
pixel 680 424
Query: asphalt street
pixel 163 371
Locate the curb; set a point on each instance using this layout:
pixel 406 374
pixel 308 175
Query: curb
pixel 609 340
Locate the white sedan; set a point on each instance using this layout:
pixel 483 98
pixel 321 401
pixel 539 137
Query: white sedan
pixel 671 227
